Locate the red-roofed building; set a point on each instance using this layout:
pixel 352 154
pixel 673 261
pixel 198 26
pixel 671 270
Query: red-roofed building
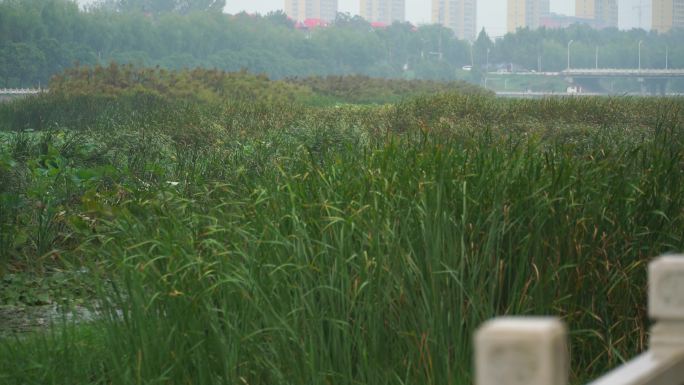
pixel 314 23
pixel 311 24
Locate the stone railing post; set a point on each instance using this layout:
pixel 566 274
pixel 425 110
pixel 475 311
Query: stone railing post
pixel 666 306
pixel 522 351
pixel 534 351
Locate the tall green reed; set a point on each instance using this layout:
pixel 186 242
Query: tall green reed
pixel 365 245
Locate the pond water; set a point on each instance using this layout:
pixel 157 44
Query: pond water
pixel 17 320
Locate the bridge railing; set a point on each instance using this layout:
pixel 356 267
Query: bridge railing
pixel 629 71
pixel 601 72
pixel 534 351
pixel 21 91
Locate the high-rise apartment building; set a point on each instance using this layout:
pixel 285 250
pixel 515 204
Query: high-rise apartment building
pixel 668 14
pixel 383 11
pixel 526 13
pixel 604 13
pixel 301 10
pixel 459 15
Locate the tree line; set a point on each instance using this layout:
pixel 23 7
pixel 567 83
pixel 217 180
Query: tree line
pixel 41 38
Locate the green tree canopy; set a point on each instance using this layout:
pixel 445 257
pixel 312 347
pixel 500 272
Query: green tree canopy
pixel 161 6
pixel 39 38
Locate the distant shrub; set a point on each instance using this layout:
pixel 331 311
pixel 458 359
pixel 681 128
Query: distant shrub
pixel 210 86
pixel 197 85
pixel 359 89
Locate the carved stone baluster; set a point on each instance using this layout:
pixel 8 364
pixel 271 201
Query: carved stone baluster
pixel 666 306
pixel 521 351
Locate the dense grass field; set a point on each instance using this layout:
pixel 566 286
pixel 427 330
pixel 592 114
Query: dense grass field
pixel 261 244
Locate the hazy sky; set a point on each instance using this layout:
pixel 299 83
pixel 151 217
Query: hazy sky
pixel 491 13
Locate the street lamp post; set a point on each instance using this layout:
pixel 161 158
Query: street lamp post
pixel 539 63
pixel 667 53
pixel 597 52
pixel 640 43
pixel 569 44
pixel 487 69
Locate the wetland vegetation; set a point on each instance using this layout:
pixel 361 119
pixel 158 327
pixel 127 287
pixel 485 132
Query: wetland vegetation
pixel 285 240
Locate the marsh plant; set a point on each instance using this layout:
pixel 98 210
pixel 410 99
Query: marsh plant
pixel 284 244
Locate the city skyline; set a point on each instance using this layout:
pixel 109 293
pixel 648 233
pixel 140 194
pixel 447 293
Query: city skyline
pixel 603 12
pixel 383 11
pixel 492 14
pixel 301 10
pixel 458 15
pixel 526 13
pixel 668 14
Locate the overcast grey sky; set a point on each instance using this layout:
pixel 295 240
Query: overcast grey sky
pixel 491 13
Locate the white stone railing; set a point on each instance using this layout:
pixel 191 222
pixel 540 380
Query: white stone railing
pixel 534 351
pixel 21 91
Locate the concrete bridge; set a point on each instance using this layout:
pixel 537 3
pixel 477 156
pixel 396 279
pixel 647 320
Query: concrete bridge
pixel 604 73
pixel 652 80
pixel 624 73
pixel 542 95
